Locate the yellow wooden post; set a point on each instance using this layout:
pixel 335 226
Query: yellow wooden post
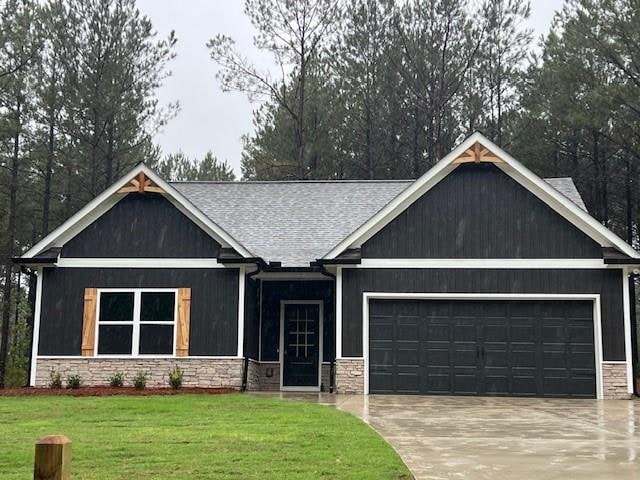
pixel 53 458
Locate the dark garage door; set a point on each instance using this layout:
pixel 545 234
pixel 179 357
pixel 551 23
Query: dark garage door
pixel 484 347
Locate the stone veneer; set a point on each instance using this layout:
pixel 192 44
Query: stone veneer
pixel 350 375
pixel 257 379
pixel 198 372
pixel 614 381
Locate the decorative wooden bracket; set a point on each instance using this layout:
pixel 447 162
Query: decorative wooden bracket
pixel 141 184
pixel 478 154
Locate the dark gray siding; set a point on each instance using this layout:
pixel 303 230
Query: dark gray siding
pixel 214 304
pixel 274 292
pixel 145 225
pixel 251 317
pixel 608 283
pixel 478 211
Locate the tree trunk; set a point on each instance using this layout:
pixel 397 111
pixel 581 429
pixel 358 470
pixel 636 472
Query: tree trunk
pixel 300 121
pixel 11 233
pixel 48 171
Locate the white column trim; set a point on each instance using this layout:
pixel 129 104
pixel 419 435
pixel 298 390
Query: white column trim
pixel 260 325
pixel 36 326
pixel 241 280
pixel 626 308
pixel 338 313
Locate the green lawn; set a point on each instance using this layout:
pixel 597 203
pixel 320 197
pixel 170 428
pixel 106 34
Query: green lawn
pixel 195 437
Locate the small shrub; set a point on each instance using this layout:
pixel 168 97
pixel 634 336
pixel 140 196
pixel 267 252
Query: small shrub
pixel 117 379
pixel 73 381
pixel 175 377
pixel 55 379
pixel 140 380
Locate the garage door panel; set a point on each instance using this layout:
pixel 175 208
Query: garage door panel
pixel 380 355
pixel 437 383
pixel 523 384
pixel 522 330
pixel 408 355
pixel 407 329
pixel 437 330
pixel 541 348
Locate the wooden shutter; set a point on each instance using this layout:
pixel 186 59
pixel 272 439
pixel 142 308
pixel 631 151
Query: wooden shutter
pixel 184 314
pixel 89 321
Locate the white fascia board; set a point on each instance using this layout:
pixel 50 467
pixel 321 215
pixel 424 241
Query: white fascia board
pixel 107 199
pixel 525 177
pixel 486 263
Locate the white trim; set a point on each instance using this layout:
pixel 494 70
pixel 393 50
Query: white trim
pixel 511 167
pixel 292 276
pixel 503 263
pixel 138 263
pixel 135 322
pixel 595 298
pixel 626 308
pixel 293 388
pixel 260 325
pixel 139 358
pixel 241 280
pixel 107 199
pixel 338 313
pixel 36 326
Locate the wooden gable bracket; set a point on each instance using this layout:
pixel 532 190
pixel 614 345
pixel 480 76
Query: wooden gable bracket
pixel 141 184
pixel 478 154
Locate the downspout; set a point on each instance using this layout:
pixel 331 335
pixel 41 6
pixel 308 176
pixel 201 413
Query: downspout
pixel 332 365
pixel 245 369
pixel 634 330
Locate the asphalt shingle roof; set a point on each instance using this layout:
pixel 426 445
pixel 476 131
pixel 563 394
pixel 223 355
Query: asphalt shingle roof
pixel 297 222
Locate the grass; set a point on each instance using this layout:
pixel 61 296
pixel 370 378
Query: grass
pixel 195 437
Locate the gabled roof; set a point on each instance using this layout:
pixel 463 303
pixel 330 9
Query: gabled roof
pixel 107 199
pixel 297 222
pixel 478 148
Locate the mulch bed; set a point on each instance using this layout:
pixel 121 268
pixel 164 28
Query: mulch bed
pixel 108 391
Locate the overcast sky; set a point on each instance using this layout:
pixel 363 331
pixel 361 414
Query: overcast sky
pixel 210 119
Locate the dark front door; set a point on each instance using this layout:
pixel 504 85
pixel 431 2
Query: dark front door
pixel 301 337
pixel 486 347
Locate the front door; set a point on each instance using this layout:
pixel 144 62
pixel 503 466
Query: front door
pixel 300 344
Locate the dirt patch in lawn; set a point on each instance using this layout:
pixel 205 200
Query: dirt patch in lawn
pixel 108 391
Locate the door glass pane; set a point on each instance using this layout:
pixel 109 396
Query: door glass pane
pixel 115 339
pixel 116 307
pixel 156 339
pixel 157 307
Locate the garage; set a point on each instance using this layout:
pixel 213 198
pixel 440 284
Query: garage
pixel 542 348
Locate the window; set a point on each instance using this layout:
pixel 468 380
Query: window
pixel 136 322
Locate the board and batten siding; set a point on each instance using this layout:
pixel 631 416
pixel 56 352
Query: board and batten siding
pixel 251 318
pixel 142 226
pixel 478 211
pixel 213 329
pixel 607 283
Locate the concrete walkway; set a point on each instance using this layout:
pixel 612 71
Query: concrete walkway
pixel 502 438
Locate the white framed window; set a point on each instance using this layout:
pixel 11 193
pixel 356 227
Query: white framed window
pixel 136 322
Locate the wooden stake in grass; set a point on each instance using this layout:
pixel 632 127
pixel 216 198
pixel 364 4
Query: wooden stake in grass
pixel 53 458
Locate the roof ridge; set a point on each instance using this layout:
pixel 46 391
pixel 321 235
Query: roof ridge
pixel 270 182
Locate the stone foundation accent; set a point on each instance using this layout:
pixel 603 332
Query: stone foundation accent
pixel 257 379
pixel 350 375
pixel 614 381
pixel 198 372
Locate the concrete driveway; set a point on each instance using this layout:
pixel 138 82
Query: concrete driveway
pixel 503 438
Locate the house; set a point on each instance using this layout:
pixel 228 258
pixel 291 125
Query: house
pixel 479 278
